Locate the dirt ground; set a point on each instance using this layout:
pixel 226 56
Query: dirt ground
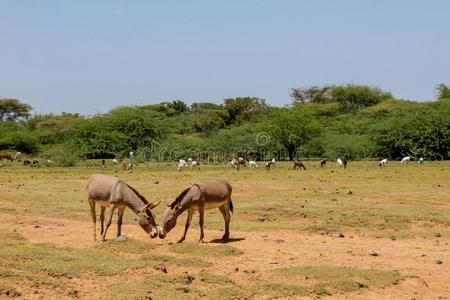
pixel 413 258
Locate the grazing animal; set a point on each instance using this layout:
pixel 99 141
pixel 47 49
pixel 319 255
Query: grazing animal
pixel 189 160
pixel 195 165
pixel 252 164
pixel 298 165
pixel 323 162
pixel 112 193
pixel 406 160
pixel 233 163
pixel 269 165
pixel 420 161
pixel 103 161
pixel 342 163
pixel 200 196
pixel 6 156
pixel 131 154
pixel 115 162
pixel 383 162
pixel 237 163
pixel 35 162
pixel 181 165
pixel 18 156
pixel 49 161
pixel 126 165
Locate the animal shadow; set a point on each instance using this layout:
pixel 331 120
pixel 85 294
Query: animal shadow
pixel 229 240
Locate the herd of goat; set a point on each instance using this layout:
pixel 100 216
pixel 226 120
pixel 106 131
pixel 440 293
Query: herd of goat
pixel 236 163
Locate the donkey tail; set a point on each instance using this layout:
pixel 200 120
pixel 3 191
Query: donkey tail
pixel 231 205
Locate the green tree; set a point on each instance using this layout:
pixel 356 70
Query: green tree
pixel 312 94
pixel 179 106
pixel 292 129
pixel 443 91
pixel 354 97
pixel 13 109
pixel 244 108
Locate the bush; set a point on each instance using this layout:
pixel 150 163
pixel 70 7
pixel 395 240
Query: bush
pixel 353 97
pixel 23 141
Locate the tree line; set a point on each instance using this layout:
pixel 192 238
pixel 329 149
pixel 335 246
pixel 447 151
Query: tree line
pixel 347 121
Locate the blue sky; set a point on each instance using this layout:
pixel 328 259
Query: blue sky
pixel 90 56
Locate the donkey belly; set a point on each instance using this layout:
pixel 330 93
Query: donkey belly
pixel 107 203
pixel 215 203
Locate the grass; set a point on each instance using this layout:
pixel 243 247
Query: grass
pixel 402 201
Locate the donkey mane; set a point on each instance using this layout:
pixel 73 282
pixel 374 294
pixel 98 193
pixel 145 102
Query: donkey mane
pixel 137 193
pixel 178 200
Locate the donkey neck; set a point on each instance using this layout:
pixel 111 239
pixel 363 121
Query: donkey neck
pixel 131 200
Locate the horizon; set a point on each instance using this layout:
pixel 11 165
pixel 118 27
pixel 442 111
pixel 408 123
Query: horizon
pixel 88 58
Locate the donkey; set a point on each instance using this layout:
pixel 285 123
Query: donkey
pixel 199 196
pixel 111 192
pixel 323 162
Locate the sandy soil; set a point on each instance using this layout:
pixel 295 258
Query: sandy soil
pixel 413 258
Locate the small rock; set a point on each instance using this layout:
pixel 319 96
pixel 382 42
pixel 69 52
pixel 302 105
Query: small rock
pixel 437 234
pixel 341 235
pixel 156 182
pixel 121 238
pixel 236 269
pixel 439 262
pixel 189 279
pixel 349 192
pixel 37 226
pixel 373 253
pixel 162 268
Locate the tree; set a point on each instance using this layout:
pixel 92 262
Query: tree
pixel 179 106
pixel 443 91
pixel 243 108
pixel 353 97
pixel 13 109
pixel 292 129
pixel 313 94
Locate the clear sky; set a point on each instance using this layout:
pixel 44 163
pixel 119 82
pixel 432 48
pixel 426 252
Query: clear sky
pixel 90 56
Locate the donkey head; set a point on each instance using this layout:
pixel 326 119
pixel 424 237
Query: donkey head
pixel 169 219
pixel 147 220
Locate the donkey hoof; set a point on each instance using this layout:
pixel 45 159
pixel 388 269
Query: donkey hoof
pixel 225 238
pixel 180 241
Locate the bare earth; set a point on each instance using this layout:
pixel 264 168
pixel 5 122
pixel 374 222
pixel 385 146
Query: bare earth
pixel 414 258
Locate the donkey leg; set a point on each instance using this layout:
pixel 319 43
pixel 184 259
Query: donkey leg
pixel 109 215
pixel 119 221
pixel 226 216
pixel 186 227
pixel 201 211
pixel 92 206
pixel 102 218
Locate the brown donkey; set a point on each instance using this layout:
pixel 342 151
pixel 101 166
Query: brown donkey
pixel 199 196
pixel 111 192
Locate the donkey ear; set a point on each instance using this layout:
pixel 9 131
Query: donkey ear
pixel 145 207
pixel 151 205
pixel 177 206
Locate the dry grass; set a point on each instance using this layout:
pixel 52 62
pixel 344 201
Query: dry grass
pixel 400 201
